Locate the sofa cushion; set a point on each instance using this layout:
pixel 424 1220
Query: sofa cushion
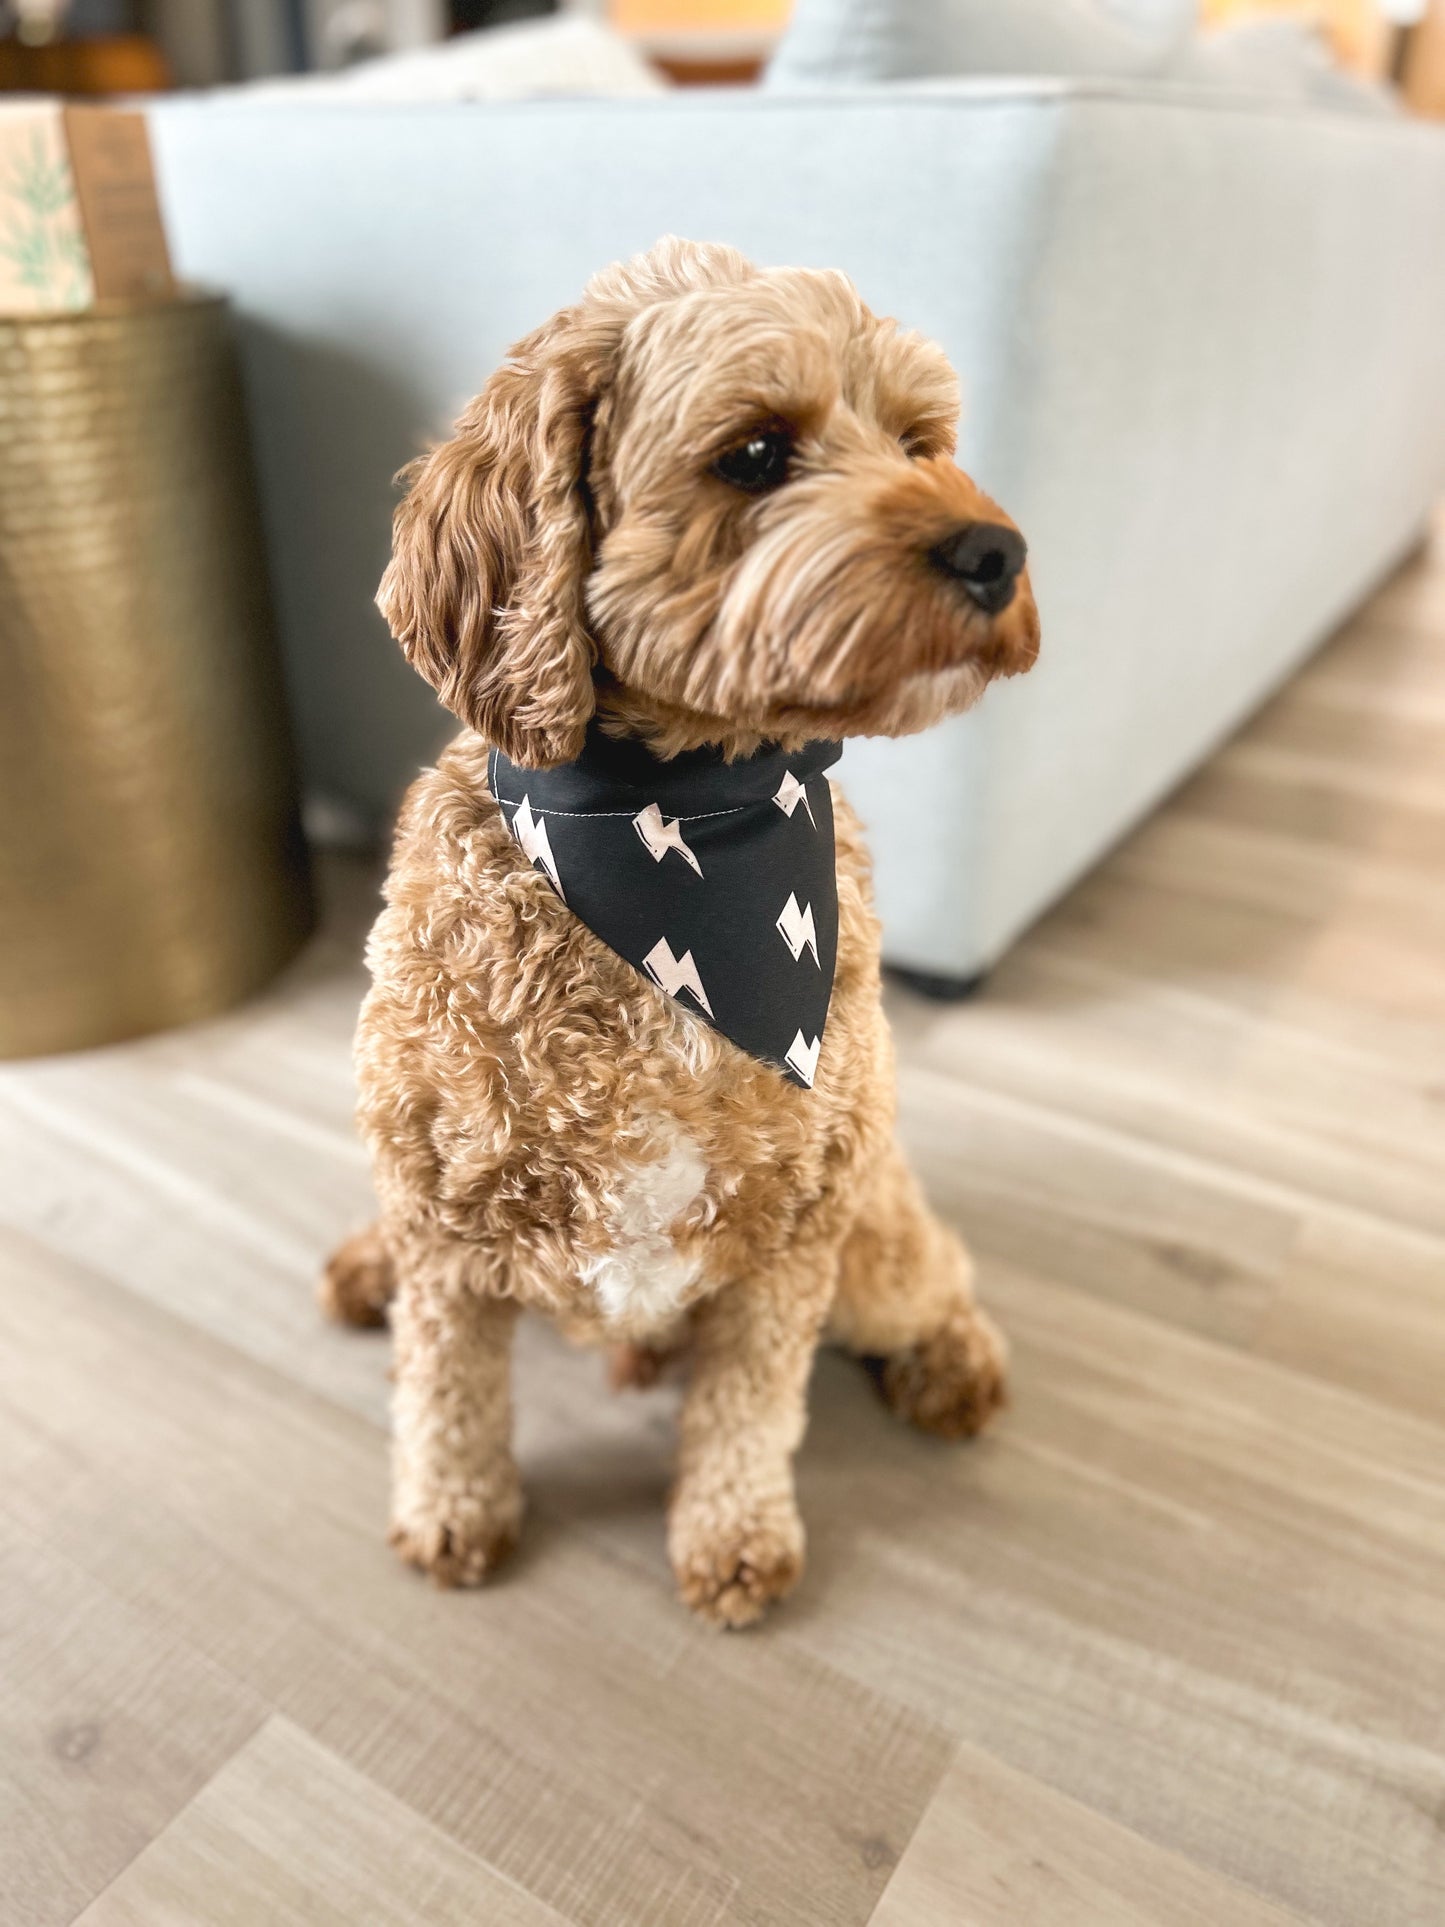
pixel 1287 58
pixel 572 58
pixel 836 42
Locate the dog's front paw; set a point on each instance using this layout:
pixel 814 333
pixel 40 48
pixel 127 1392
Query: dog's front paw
pixel 729 1571
pixel 461 1541
pixel 951 1383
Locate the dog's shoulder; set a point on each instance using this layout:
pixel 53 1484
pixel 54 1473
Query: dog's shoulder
pixel 445 809
pixel 853 859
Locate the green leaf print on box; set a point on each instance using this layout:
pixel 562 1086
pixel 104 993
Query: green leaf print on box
pixel 41 239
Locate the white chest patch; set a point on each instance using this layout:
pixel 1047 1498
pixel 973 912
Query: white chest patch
pixel 642 1278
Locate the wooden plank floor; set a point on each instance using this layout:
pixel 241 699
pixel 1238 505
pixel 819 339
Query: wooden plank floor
pixel 1168 1647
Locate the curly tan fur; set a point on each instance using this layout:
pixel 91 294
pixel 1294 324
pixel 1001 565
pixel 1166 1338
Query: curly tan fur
pixel 571 552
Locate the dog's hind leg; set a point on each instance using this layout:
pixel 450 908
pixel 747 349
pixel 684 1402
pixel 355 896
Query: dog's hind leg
pixel 636 1366
pixel 456 1497
pixel 905 1305
pixel 359 1280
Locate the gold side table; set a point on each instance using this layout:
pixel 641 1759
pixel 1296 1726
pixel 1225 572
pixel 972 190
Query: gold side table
pixel 152 869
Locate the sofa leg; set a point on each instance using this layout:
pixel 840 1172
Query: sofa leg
pixel 941 990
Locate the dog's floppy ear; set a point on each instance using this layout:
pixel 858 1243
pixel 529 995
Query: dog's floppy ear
pixel 492 545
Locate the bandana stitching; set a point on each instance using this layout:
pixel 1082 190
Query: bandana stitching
pixel 545 809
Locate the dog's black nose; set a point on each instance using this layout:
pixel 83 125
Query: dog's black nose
pixel 987 558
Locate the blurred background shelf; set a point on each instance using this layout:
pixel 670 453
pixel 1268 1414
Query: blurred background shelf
pixel 98 47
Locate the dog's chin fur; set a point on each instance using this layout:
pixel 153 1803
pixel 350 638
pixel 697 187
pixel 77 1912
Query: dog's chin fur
pixel 912 704
pixel 547 1127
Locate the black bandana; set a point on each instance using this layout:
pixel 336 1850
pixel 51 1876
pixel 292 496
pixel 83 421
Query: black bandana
pixel 714 879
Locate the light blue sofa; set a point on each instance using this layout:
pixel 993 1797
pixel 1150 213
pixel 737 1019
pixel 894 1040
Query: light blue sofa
pixel 1202 343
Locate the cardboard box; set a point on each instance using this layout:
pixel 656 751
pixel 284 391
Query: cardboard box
pixel 79 218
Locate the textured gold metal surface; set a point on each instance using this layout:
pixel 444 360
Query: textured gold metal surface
pixel 151 864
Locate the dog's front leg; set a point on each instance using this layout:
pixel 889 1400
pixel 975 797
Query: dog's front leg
pixel 456 1498
pixel 734 1532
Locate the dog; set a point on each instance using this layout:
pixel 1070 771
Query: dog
pixel 708 512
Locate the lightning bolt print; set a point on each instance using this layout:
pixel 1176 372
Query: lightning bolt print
pixel 532 835
pixel 803 1057
pixel 661 834
pixel 675 974
pixel 790 793
pixel 740 873
pixel 796 927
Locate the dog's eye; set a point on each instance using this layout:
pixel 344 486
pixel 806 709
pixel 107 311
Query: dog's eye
pixel 759 464
pixel 915 446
